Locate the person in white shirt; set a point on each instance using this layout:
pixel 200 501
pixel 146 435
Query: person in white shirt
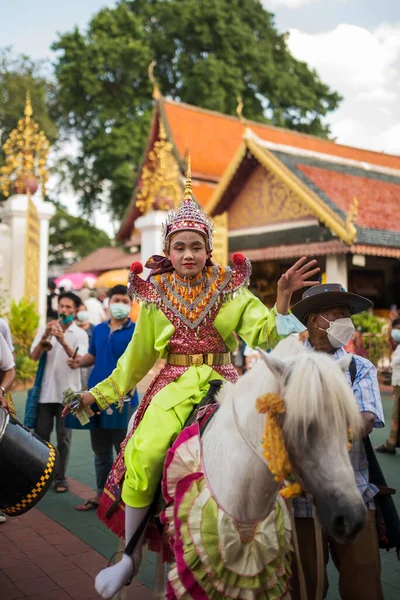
pixel 6 333
pixel 95 309
pixel 7 370
pixel 393 441
pixel 66 339
pixel 7 376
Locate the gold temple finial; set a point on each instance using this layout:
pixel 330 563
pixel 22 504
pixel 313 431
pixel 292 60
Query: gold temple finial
pixel 239 110
pixel 26 153
pixel 351 218
pixel 156 89
pixel 188 184
pixel 28 112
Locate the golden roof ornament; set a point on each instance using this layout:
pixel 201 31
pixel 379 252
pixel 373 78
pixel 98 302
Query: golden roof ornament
pixel 159 187
pixel 239 110
pixel 156 89
pixel 26 153
pixel 351 219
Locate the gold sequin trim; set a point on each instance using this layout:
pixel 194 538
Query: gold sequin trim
pixel 119 394
pixel 101 400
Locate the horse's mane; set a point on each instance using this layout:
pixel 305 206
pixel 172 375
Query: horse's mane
pixel 315 389
pixel 317 394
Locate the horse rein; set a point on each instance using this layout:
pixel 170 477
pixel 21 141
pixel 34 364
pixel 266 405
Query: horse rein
pixel 317 527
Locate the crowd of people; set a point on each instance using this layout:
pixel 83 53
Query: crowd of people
pixel 194 313
pixel 78 346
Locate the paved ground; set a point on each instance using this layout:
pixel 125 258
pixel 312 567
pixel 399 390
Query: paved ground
pixel 53 552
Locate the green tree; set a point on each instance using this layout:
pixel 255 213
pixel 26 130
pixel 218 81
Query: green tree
pixel 207 51
pixel 18 75
pixel 72 238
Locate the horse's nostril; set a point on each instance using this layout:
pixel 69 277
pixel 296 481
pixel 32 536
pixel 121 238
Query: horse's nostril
pixel 343 527
pixel 339 525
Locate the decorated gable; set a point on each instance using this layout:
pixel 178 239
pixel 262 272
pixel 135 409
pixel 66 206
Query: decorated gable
pixel 264 200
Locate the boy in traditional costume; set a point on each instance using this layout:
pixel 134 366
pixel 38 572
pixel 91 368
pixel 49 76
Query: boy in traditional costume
pixel 190 309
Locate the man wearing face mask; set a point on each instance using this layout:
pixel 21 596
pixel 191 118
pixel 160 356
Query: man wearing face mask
pixel 108 428
pixel 82 320
pixel 325 310
pixel 60 340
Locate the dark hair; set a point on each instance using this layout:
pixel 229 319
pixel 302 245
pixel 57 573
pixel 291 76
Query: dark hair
pixel 396 322
pixel 75 299
pixel 118 289
pixel 52 285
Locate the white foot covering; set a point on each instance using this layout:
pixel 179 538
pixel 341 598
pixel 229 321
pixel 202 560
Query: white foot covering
pixel 109 581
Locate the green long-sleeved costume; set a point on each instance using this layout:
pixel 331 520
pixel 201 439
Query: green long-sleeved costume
pixel 163 328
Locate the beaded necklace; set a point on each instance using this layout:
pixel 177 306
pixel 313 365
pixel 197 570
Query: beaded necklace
pixel 191 300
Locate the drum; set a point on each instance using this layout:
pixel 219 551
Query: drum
pixel 27 466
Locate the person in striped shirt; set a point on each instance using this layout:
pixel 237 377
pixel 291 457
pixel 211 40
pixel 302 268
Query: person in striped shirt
pixel 325 310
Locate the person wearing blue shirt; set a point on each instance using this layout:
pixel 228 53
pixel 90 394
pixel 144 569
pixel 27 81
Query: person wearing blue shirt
pixel 108 428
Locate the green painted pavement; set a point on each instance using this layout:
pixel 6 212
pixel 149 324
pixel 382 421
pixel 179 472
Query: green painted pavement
pixel 86 526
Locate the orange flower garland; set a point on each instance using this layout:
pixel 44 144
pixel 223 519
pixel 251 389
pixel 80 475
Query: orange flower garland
pixel 274 445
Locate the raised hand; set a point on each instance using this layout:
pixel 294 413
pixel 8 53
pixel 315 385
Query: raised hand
pixel 298 276
pixel 295 278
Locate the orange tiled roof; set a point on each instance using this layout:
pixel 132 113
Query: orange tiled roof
pixel 213 138
pixel 103 259
pixel 378 201
pixel 203 191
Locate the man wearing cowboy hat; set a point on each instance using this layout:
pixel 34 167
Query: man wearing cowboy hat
pixel 325 310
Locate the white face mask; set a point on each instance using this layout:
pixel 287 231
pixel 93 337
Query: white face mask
pixel 339 332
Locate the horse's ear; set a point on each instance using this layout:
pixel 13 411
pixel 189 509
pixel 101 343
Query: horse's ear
pixel 274 364
pixel 344 362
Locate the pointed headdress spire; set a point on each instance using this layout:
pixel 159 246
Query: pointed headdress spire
pixel 189 216
pixel 188 185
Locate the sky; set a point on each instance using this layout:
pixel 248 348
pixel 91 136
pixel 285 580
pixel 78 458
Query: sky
pixel 354 45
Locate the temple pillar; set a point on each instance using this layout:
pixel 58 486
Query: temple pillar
pixel 21 270
pixel 45 212
pixel 150 226
pixel 14 215
pixel 336 269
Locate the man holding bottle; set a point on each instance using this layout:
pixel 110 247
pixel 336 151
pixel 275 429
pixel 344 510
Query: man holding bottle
pixel 60 340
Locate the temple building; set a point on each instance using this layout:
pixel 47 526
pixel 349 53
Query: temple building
pixel 277 195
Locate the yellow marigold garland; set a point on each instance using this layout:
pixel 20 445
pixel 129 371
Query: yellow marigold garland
pixel 274 445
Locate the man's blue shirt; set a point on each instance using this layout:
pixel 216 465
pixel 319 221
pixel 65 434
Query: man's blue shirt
pixel 107 346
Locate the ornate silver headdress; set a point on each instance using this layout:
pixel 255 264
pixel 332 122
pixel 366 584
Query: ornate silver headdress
pixel 189 216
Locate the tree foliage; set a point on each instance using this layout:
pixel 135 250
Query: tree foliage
pixel 73 238
pixel 18 75
pixel 207 51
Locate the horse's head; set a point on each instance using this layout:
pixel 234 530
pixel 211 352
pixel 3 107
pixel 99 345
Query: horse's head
pixel 320 411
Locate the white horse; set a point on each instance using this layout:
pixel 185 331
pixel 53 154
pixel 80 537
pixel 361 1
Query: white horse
pixel 320 409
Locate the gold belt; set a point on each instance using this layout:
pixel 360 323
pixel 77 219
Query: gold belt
pixel 189 360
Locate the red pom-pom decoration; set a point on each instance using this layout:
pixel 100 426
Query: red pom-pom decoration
pixel 238 259
pixel 136 268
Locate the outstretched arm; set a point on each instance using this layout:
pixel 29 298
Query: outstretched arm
pixel 134 364
pixel 295 278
